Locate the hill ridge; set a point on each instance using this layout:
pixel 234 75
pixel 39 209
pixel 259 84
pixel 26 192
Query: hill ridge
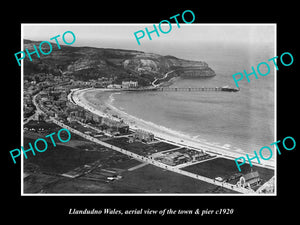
pixel 86 63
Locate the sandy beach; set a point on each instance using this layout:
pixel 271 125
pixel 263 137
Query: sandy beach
pixel 101 104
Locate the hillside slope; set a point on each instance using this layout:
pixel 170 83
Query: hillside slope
pixel 91 63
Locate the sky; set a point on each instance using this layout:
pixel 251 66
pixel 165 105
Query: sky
pixel 122 35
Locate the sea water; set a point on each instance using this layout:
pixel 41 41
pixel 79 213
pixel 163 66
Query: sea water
pixel 238 121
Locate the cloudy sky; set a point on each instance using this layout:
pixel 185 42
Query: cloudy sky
pixel 122 35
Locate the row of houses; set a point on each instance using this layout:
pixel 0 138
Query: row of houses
pixel 124 85
pixel 179 157
pixel 141 135
pixel 116 126
pixel 250 180
pixel 103 123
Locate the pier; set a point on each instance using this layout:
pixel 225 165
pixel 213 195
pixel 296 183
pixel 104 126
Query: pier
pixel 197 89
pixel 185 89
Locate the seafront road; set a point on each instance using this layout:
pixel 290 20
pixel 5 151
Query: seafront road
pixel 78 98
pixel 146 159
pixel 154 162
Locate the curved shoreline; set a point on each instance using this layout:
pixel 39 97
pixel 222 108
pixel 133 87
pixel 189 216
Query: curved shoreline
pixel 82 98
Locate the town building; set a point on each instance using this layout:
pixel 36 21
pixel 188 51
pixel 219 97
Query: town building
pixel 129 84
pixel 142 135
pixel 249 180
pixel 175 158
pixel 200 156
pixel 84 116
pixel 44 94
pixel 114 86
pixel 78 114
pixel 115 126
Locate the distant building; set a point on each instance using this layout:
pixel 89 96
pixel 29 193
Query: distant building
pixel 60 103
pixel 143 136
pixel 115 126
pixel 175 158
pixel 40 117
pixel 115 86
pixel 77 114
pixel 249 180
pixel 97 118
pixel 200 156
pixel 129 84
pixel 84 116
pixel 43 94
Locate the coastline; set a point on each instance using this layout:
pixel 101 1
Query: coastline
pixel 93 100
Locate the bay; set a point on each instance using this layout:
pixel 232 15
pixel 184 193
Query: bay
pixel 241 121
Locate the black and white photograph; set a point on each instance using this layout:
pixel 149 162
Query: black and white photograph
pixel 164 116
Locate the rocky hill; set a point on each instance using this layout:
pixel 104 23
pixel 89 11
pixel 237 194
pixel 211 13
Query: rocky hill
pixel 91 63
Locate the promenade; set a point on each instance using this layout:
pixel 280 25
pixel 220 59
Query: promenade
pixel 163 135
pixel 74 98
pixel 153 162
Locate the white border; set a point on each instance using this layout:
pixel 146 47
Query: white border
pixel 154 194
pixel 22 113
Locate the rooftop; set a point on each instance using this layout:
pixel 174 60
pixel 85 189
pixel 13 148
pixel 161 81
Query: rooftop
pixel 251 175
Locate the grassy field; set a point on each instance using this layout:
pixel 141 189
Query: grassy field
pixel 221 167
pixel 45 167
pixel 148 180
pixel 151 179
pixel 42 129
pixel 61 158
pixel 139 147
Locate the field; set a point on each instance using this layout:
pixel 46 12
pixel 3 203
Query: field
pixel 148 180
pixel 44 168
pixel 151 179
pixel 40 129
pixel 221 167
pixel 140 148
